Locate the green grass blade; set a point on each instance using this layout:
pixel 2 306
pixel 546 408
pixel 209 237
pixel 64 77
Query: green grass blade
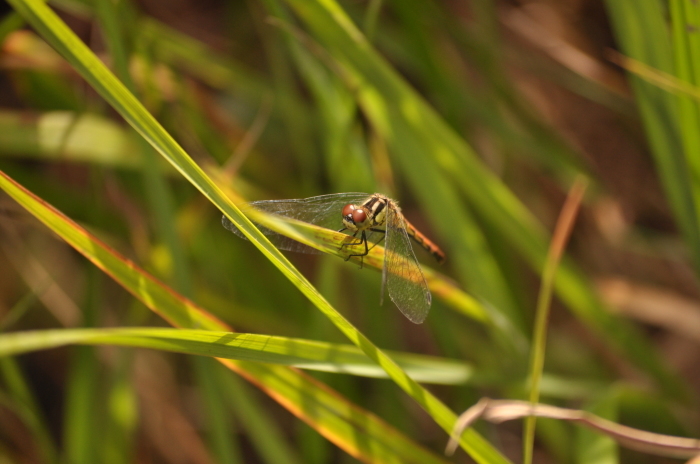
pixel 112 17
pixel 305 354
pixel 188 54
pixel 81 424
pixel 122 424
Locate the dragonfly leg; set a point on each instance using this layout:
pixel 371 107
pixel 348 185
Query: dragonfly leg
pixel 363 239
pixel 351 243
pixel 381 239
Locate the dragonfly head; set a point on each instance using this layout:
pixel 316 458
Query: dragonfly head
pixel 354 217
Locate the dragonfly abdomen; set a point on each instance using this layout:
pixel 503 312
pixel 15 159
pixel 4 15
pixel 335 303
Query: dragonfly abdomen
pixel 425 242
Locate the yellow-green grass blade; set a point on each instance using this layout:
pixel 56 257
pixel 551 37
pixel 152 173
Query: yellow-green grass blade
pixel 356 431
pixel 329 241
pixel 439 165
pixel 305 354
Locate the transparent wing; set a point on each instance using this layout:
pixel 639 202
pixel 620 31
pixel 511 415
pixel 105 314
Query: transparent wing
pixel 402 274
pixel 323 210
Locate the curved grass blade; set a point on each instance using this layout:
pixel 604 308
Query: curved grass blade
pixel 334 417
pixel 305 354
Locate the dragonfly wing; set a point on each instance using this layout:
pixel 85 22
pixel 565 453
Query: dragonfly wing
pixel 402 274
pixel 280 241
pixel 323 210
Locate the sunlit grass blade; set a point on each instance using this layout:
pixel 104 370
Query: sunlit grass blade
pixel 335 418
pixel 428 152
pixel 305 354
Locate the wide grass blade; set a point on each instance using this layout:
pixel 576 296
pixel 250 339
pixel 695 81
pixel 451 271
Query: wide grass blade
pixel 305 354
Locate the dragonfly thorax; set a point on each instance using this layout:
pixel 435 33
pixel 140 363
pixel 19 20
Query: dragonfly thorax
pixel 372 213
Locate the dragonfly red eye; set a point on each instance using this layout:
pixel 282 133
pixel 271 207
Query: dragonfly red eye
pixel 348 209
pixel 359 216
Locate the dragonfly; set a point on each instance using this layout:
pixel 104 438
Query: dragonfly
pixel 371 219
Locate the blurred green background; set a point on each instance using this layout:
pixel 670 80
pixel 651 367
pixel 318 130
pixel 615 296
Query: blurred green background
pixel 475 115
